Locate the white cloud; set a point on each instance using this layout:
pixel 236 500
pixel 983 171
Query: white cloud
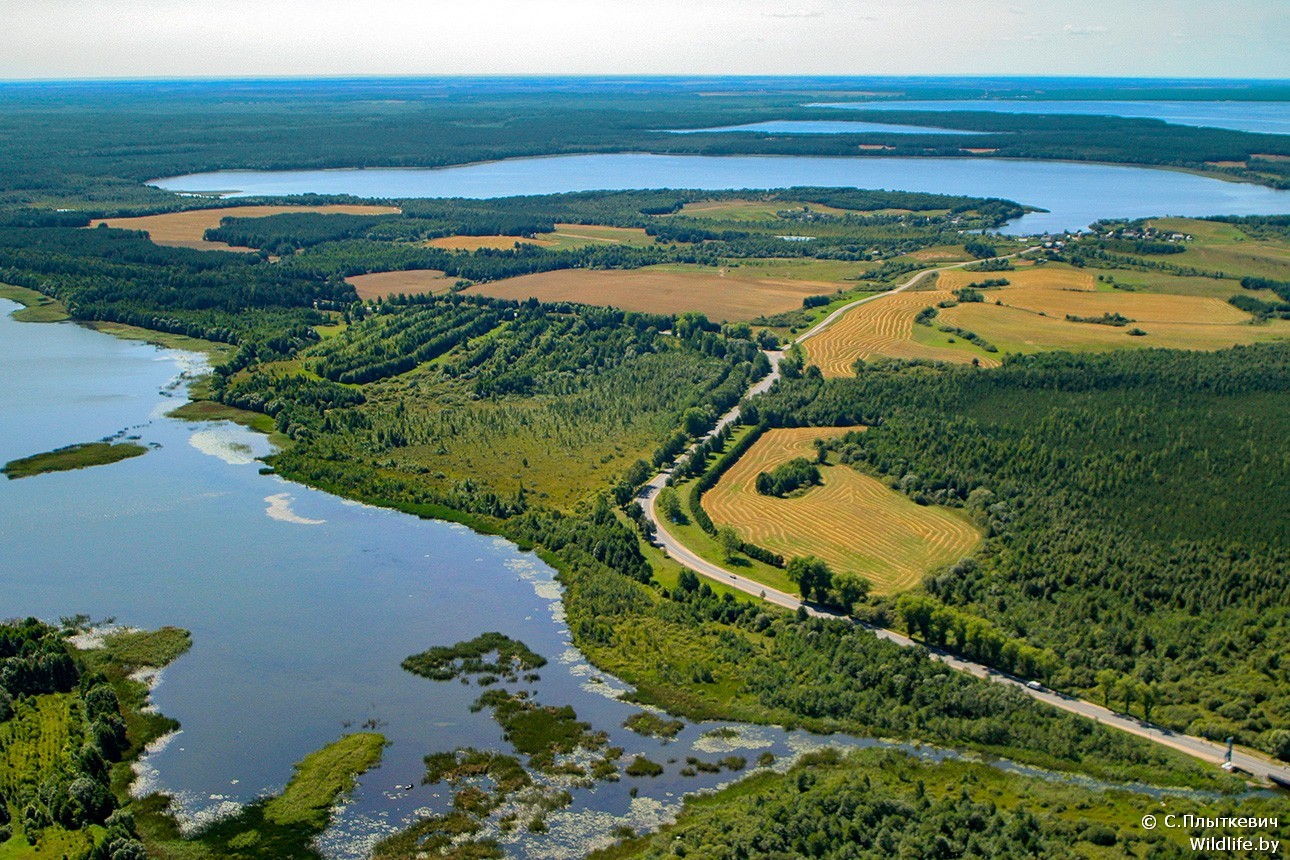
pixel 1083 29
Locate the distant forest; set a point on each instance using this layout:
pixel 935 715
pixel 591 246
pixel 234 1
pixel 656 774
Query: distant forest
pixel 79 143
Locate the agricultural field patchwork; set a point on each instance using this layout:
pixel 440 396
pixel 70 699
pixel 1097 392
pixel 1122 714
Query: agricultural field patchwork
pixel 187 229
pixel 853 522
pixel 1043 308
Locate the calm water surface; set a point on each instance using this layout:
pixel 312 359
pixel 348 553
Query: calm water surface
pixel 301 605
pixel 1264 117
pixel 1075 194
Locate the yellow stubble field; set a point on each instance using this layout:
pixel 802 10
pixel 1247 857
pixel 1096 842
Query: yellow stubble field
pixel 853 522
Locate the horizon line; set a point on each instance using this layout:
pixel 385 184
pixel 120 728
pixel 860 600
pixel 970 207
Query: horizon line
pixel 627 76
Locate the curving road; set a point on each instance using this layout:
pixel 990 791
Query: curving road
pixel 1253 762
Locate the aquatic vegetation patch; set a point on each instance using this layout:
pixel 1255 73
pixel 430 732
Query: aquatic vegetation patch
pixel 78 456
pixel 444 663
pixel 652 725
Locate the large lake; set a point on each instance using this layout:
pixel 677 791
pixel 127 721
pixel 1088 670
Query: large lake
pixel 1265 117
pixel 301 605
pixel 1075 194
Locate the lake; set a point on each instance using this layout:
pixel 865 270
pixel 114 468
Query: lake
pixel 302 605
pixel 1075 194
pixel 1263 117
pixel 810 126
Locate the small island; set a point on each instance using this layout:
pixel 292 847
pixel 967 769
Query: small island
pixel 79 456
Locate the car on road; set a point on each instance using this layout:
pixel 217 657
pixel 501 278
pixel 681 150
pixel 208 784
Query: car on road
pixel 1034 685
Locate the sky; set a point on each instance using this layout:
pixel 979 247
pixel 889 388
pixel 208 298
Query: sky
pixel 236 38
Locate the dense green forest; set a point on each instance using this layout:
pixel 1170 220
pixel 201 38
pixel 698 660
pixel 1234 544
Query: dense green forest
pixel 79 143
pixel 69 722
pixel 880 804
pixel 1135 504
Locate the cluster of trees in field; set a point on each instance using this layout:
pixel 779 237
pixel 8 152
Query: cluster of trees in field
pixel 287 232
pixel 788 477
pixel 555 349
pixel 1135 513
pixel 68 786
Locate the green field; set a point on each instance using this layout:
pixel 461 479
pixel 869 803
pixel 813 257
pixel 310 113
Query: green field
pixel 37 307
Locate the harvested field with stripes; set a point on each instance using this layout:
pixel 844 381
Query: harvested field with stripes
pixel 853 522
pixel 1030 315
pixel 883 328
pixel 186 229
pixel 1041 277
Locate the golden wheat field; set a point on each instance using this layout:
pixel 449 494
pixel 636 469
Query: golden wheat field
pixel 185 229
pixel 854 522
pixel 721 294
pixel 413 282
pixel 883 328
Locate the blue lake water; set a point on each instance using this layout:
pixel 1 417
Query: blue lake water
pixel 301 605
pixel 1265 117
pixel 807 126
pixel 1075 194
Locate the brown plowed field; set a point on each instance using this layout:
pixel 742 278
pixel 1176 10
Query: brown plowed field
pixel 853 522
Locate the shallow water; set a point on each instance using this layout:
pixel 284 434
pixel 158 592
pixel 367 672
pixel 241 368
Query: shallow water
pixel 1075 194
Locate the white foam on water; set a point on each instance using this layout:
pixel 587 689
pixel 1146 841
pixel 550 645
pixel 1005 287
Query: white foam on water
pixel 224 443
pixel 279 508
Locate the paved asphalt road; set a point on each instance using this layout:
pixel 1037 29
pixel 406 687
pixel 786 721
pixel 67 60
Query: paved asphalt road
pixel 1251 761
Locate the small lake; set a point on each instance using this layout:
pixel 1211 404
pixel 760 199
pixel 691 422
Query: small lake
pixel 1263 117
pixel 1075 194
